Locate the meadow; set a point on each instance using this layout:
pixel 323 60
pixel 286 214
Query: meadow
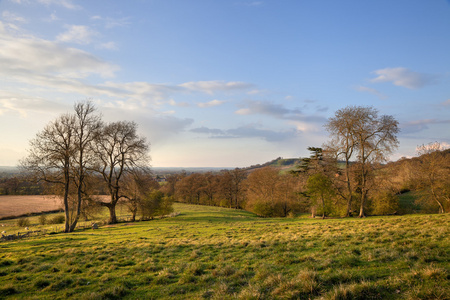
pixel 217 253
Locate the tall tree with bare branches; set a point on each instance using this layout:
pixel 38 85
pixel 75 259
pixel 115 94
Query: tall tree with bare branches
pixel 118 151
pixel 360 133
pixel 58 155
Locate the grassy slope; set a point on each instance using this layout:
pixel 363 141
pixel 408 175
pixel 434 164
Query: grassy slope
pixel 217 253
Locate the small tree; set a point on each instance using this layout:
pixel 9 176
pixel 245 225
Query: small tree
pixel 154 204
pixel 320 190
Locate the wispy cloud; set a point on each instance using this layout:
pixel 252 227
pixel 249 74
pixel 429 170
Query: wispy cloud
pixel 22 58
pixel 266 108
pixel 403 77
pixel 78 34
pixel 108 46
pixel 446 102
pixel 110 23
pixel 211 87
pixel 64 3
pixel 372 91
pixel 420 125
pixel 11 17
pixel 211 131
pixel 248 131
pixel 211 103
pixel 23 105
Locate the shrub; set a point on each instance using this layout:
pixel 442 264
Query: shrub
pixel 23 222
pixel 57 220
pixel 155 204
pixel 385 203
pixel 42 219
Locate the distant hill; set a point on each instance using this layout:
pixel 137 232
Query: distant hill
pixel 281 163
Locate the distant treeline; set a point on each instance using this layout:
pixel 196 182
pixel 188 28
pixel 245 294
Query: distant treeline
pixel 16 184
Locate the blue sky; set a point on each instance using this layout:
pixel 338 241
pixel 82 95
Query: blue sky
pixel 225 83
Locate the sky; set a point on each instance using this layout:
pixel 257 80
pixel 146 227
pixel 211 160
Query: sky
pixel 214 83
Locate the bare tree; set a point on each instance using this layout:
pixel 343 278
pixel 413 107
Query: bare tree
pixel 86 126
pixel 118 151
pixel 359 131
pixel 432 174
pixel 50 154
pixel 342 146
pixel 58 155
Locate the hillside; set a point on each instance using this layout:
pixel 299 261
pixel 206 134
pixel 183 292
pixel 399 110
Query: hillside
pixel 282 163
pixel 217 253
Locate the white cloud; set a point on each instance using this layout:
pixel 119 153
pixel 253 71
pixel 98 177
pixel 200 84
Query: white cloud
pixel 108 46
pixel 64 3
pixel 243 111
pixel 110 23
pixel 31 59
pixel 211 103
pixel 23 105
pixel 403 77
pixel 78 34
pixel 211 87
pixel 11 17
pixel 305 126
pixel 371 91
pixel 143 91
pixel 52 18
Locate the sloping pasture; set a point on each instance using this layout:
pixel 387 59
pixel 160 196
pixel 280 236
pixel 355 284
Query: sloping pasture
pixel 216 253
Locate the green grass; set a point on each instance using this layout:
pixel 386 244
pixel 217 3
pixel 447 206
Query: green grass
pixel 217 253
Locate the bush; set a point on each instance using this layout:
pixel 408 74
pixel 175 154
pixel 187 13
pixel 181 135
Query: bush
pixel 23 222
pixel 385 203
pixel 155 204
pixel 57 220
pixel 42 219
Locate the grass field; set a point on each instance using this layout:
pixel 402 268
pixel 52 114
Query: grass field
pixel 217 253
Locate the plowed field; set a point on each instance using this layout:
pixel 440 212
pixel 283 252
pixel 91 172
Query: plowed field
pixel 20 205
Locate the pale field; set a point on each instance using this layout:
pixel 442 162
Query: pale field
pixel 20 205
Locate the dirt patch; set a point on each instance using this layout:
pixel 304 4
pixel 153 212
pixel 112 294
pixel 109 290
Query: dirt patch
pixel 21 205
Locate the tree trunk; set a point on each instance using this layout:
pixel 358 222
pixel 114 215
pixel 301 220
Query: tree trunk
pixel 349 190
pixel 78 212
pixel 112 214
pixel 323 206
pixel 363 203
pixel 441 206
pixel 66 198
